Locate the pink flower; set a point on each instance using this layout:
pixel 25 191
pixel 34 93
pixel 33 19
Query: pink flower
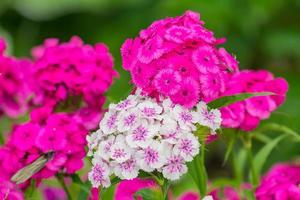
pixel 51 139
pixel 9 191
pixel 129 52
pixel 126 189
pixel 73 72
pixel 280 183
pixel 189 196
pixel 16 86
pixel 24 136
pixel 212 85
pixel 172 56
pixel 178 34
pixel 151 50
pixel 233 115
pixel 188 94
pixel 167 82
pixel 53 193
pixel 205 59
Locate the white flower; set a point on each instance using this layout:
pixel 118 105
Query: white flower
pixel 175 167
pixel 211 119
pixel 99 175
pixel 209 197
pixel 150 110
pixel 104 149
pixel 187 146
pixel 184 117
pixel 120 151
pixel 141 135
pixel 93 140
pixel 128 120
pixel 127 170
pixel 129 102
pixel 109 122
pixel 152 157
pixel 170 130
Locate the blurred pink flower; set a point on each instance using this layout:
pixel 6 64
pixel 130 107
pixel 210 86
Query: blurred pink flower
pixel 280 183
pixel 54 193
pixel 9 191
pixel 126 189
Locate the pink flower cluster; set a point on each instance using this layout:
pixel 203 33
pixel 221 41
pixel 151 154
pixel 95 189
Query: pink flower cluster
pixel 74 72
pixel 247 114
pixel 178 58
pixel 280 183
pixel 45 132
pixel 15 90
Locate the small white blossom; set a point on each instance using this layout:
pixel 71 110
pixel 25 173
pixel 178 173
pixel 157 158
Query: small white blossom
pixel 109 122
pixel 150 110
pixel 99 175
pixel 210 118
pixel 187 146
pixel 127 170
pixel 175 167
pixel 120 151
pixel 93 141
pixel 128 120
pixel 184 117
pixel 151 157
pixel 104 149
pixel 209 197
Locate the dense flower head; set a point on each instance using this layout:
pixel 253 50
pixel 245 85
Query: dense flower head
pixel 73 73
pixel 42 134
pixel 15 90
pixel 280 183
pixel 247 114
pixel 178 58
pixel 140 133
pixel 9 191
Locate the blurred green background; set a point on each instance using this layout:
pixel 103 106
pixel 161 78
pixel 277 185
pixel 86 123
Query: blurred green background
pixel 262 34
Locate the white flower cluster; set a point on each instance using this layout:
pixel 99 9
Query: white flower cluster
pixel 141 134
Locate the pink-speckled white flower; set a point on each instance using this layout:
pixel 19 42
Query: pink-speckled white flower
pixel 128 120
pixel 129 102
pixel 184 117
pixel 175 167
pixel 128 169
pixel 141 135
pixel 104 149
pixel 93 141
pixel 109 122
pixel 120 151
pixel 170 130
pixel 150 110
pixel 99 175
pixel 152 157
pixel 187 146
pixel 210 118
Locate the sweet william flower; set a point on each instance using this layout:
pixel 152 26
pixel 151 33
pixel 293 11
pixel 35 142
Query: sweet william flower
pixel 147 134
pixel 178 58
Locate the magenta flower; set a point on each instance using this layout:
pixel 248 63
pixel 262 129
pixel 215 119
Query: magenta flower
pixel 127 188
pixel 178 58
pixel 53 193
pixel 15 80
pixel 9 191
pixel 73 73
pixel 247 114
pixel 280 183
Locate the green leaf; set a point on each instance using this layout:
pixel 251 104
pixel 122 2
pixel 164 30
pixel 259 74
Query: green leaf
pixel 148 194
pixel 262 155
pixel 227 100
pixel 84 187
pixel 281 128
pixel 229 148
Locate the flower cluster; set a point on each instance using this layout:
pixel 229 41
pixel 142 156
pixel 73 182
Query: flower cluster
pixel 247 114
pixel 72 72
pixel 15 90
pixel 178 58
pixel 140 134
pixel 281 183
pixel 42 134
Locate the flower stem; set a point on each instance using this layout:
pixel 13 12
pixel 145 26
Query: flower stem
pixel 203 173
pixel 60 178
pixel 165 189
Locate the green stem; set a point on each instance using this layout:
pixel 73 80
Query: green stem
pixel 203 173
pixel 248 146
pixel 60 178
pixel 165 189
pixel 1 138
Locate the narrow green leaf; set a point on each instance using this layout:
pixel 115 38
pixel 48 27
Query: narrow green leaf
pixel 281 128
pixel 83 186
pixel 148 194
pixel 262 155
pixel 229 148
pixel 227 100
